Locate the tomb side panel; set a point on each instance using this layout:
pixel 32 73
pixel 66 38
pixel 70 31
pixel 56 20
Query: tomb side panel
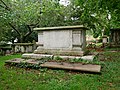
pixel 76 39
pixel 40 37
pixel 58 39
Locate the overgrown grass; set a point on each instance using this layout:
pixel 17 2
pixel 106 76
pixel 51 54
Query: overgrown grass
pixel 4 58
pixel 12 78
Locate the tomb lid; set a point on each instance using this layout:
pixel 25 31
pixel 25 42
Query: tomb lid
pixel 62 28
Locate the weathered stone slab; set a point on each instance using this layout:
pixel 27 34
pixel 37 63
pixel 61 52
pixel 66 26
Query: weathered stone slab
pixel 59 52
pixel 19 60
pixel 88 57
pixel 16 60
pixel 36 56
pixel 39 56
pixel 72 66
pixel 59 65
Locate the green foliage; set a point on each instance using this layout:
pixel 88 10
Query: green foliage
pixel 95 61
pixel 3 58
pixel 58 58
pixel 20 16
pixel 97 15
pixel 23 15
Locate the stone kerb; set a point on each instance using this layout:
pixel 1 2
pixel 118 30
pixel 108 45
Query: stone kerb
pixel 63 40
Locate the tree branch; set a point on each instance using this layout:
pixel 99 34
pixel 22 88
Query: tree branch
pixel 2 6
pixel 34 25
pixel 29 32
pixel 14 28
pixel 6 7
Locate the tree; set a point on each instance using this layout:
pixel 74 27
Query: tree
pixel 51 13
pixel 23 15
pixel 95 14
pixel 20 15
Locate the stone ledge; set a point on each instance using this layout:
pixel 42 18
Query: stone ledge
pixel 39 56
pixel 36 56
pixel 61 28
pixel 60 52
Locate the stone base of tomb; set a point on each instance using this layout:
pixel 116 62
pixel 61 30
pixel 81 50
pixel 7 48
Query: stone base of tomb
pixel 60 52
pixel 53 57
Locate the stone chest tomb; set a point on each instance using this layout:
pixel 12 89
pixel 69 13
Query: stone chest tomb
pixel 115 37
pixel 64 40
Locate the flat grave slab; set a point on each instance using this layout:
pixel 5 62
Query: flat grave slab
pixel 59 65
pixel 72 66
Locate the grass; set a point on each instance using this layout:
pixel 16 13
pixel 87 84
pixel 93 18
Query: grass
pixel 12 78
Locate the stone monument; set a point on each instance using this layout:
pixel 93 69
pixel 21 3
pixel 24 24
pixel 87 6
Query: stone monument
pixel 115 37
pixel 63 40
pixel 67 42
